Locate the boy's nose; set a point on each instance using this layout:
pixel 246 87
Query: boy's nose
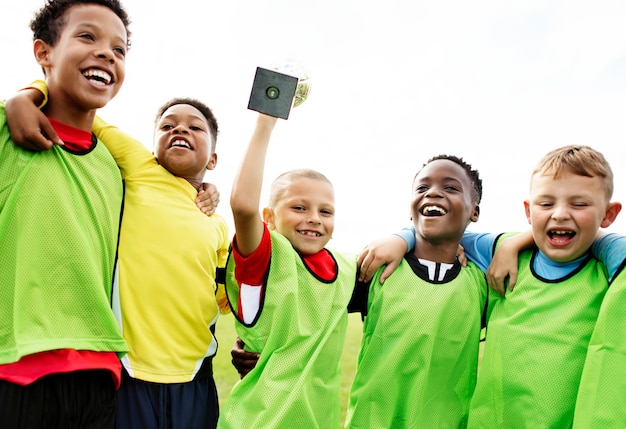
pixel 433 191
pixel 560 212
pixel 106 54
pixel 314 218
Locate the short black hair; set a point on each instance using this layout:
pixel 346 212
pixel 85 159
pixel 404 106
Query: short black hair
pixel 199 105
pixel 473 175
pixel 48 22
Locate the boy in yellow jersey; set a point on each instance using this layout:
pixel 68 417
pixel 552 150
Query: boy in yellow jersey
pixel 59 221
pixel 166 297
pixel 169 251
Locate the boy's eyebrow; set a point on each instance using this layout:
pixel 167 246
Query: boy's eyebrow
pixel 94 27
pixel 187 117
pixel 447 178
pixel 542 197
pixel 177 115
pixel 569 197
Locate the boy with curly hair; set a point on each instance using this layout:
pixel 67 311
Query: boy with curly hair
pixel 59 220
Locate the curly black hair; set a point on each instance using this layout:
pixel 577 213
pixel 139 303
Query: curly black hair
pixel 48 22
pixel 473 175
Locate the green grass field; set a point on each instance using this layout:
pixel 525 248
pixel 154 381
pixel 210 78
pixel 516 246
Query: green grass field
pixel 226 376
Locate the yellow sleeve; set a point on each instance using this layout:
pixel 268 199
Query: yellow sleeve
pixel 39 85
pixel 129 153
pixel 222 256
pixel 112 137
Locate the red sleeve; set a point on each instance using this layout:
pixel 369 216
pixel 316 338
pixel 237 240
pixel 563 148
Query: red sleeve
pixel 251 269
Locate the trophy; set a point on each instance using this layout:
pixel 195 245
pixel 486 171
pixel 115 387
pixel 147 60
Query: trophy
pixel 275 91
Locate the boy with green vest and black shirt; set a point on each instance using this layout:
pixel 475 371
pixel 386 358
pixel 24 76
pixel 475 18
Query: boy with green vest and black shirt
pixel 419 355
pixel 538 333
pixel 59 221
pixel 289 294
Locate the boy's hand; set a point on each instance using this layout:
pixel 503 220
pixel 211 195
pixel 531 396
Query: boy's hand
pixel 29 127
pixel 208 198
pixel 503 268
pixel 461 256
pixel 385 251
pixel 243 361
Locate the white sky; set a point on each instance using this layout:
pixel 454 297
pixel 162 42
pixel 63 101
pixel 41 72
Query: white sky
pixel 499 83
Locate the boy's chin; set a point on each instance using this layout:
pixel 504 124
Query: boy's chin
pixel 310 249
pixel 564 255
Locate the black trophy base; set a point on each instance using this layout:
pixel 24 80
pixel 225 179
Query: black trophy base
pixel 272 93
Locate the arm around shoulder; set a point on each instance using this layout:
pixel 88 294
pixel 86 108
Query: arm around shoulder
pixel 387 251
pixel 503 266
pixel 610 249
pixel 30 128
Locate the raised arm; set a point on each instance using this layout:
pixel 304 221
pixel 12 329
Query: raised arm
pixel 246 193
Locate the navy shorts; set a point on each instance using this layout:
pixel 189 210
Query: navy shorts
pixel 142 404
pixel 79 399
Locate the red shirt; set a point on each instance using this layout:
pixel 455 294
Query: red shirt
pixel 250 270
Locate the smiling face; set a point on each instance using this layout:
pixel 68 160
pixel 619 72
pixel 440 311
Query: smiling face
pixel 305 214
pixel 565 213
pixel 442 204
pixel 183 143
pixel 85 69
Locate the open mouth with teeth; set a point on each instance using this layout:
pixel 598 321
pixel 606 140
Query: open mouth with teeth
pixel 433 211
pixel 181 143
pixel 561 236
pixel 310 233
pixel 99 77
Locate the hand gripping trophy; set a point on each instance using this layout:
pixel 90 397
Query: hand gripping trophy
pixel 275 92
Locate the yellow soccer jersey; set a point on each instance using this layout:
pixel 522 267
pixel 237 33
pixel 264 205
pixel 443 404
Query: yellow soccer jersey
pixel 167 300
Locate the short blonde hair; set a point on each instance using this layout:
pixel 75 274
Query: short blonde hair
pixel 579 160
pixel 283 181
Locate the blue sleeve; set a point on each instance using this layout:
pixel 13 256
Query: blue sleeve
pixel 408 234
pixel 610 249
pixel 479 247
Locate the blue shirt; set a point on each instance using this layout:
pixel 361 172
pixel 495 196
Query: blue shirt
pixel 610 249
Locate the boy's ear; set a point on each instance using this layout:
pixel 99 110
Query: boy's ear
pixel 611 214
pixel 268 218
pixel 527 209
pixel 475 213
pixel 41 50
pixel 212 162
